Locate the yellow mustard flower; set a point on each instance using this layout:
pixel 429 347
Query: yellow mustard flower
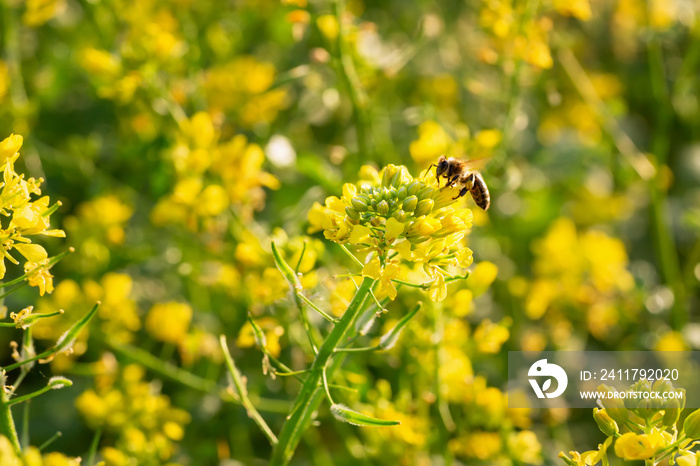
pixel 272 331
pixel 524 447
pixel 140 420
pixel 31 456
pixel 28 217
pixel 39 12
pixel 587 458
pixel 478 445
pixel 391 210
pixel 489 336
pixel 688 458
pixel 169 322
pixel 633 446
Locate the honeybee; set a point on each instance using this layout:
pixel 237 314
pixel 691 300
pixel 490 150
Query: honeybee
pixel 458 171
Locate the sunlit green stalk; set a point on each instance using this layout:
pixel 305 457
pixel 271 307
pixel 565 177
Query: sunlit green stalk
pixel 666 251
pixel 311 392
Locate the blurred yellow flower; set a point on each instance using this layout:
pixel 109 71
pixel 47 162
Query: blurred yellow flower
pixel 40 11
pixel 432 142
pixel 580 9
pixel 525 447
pixel 169 322
pixel 4 79
pixel 478 445
pixel 141 421
pixel 671 341
pixel 328 26
pixel 272 330
pixel 489 337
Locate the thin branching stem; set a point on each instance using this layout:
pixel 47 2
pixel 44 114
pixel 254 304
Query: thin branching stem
pixel 243 393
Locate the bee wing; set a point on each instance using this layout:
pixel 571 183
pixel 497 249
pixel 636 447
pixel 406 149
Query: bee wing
pixel 477 163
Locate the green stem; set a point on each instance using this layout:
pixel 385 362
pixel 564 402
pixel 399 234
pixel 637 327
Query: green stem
pixel 93 447
pixel 296 287
pixel 43 355
pixel 311 394
pixel 29 396
pixel 666 251
pixel 243 393
pixel 53 438
pixel 7 425
pixel 316 308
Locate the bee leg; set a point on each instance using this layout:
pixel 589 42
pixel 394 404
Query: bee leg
pixel 461 193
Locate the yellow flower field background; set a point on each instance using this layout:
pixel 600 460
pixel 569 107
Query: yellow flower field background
pixel 224 241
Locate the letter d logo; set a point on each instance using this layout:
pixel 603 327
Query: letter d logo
pixel 542 368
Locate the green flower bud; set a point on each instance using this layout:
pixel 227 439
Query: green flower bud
pixel 426 193
pixel 398 178
pixel 424 207
pixel 615 407
pixel 360 203
pixel 671 412
pixel 388 174
pixel 691 426
pixel 383 208
pixel 400 216
pixel 59 382
pixel 352 213
pixel 410 203
pixel 645 408
pixel 680 396
pixel 373 203
pixel 401 193
pixel 641 386
pixel 605 422
pixel 661 386
pixel 414 187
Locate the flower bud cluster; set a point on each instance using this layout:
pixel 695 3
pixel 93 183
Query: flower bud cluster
pixel 643 426
pixel 391 210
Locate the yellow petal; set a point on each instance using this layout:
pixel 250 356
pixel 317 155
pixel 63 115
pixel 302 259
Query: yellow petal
pixel 9 146
pixel 359 234
pixel 372 269
pixel 438 290
pixel 32 252
pixel 393 229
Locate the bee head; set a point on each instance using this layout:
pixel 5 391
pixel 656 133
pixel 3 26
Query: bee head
pixel 441 166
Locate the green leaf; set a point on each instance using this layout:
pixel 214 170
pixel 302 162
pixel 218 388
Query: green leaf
pixel 345 414
pixel 65 342
pixel 392 336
